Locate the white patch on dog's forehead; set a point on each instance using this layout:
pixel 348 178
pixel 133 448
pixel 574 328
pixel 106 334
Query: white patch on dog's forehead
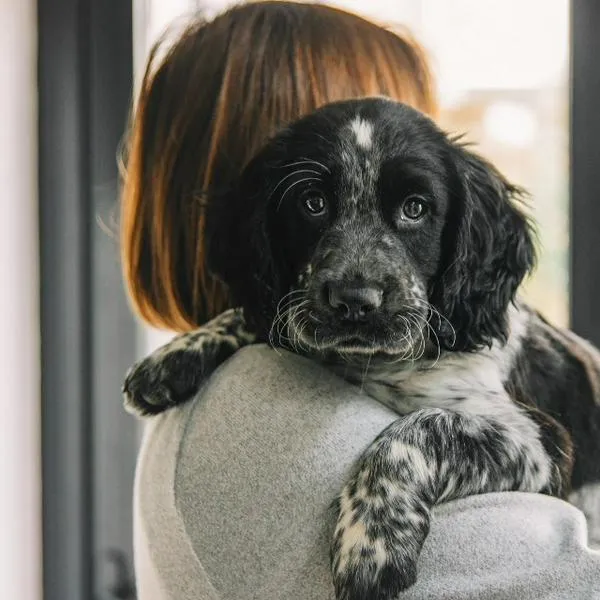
pixel 363 130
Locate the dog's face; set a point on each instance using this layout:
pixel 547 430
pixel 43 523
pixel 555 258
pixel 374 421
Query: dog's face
pixel 357 215
pixel 363 229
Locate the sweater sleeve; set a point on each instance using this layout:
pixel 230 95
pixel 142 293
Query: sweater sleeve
pixel 233 494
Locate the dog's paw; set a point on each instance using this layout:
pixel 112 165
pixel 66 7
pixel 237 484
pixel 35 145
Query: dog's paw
pixel 163 380
pixel 175 372
pixel 377 541
pixel 371 582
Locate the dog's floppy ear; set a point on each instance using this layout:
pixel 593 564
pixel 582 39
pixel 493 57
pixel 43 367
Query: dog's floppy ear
pixel 489 245
pixel 239 247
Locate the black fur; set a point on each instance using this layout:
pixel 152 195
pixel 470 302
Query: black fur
pixel 490 250
pixel 559 373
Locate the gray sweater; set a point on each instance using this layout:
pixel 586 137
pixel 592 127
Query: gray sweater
pixel 233 493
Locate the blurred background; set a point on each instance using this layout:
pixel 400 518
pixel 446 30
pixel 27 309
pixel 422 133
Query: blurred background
pixel 520 78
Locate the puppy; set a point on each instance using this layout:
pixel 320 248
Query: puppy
pixel 366 238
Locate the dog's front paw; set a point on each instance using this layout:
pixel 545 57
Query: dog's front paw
pixel 370 579
pixel 377 541
pixel 175 372
pixel 162 380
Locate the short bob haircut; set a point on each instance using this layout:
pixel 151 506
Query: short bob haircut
pixel 208 102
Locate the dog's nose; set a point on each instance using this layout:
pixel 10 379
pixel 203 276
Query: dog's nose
pixel 354 303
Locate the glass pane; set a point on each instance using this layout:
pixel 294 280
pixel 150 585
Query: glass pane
pixel 506 84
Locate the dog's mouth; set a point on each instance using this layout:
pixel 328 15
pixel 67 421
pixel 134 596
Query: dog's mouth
pixel 392 336
pixel 309 323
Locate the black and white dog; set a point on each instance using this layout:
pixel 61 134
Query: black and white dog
pixel 366 238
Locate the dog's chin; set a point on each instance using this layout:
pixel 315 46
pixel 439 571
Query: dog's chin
pixel 359 342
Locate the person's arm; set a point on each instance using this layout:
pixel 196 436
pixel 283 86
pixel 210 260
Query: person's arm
pixel 233 497
pixel 507 546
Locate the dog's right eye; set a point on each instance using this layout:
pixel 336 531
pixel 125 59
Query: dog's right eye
pixel 314 205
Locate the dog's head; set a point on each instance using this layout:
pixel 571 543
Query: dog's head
pixel 363 228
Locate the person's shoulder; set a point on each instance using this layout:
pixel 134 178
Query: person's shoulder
pixel 262 357
pixel 254 380
pixel 265 367
pixel 261 403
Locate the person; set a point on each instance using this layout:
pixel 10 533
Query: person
pixel 233 490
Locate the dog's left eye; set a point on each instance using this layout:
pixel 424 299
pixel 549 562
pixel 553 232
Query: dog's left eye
pixel 413 208
pixel 314 205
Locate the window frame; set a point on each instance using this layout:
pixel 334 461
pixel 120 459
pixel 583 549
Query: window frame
pixel 584 273
pixel 89 445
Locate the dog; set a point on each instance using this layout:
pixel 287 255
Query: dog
pixel 365 237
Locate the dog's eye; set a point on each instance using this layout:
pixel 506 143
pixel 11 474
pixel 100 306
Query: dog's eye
pixel 314 205
pixel 413 208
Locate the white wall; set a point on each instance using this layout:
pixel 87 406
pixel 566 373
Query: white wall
pixel 20 472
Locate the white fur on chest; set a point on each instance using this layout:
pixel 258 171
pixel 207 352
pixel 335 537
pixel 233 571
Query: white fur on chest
pixel 471 382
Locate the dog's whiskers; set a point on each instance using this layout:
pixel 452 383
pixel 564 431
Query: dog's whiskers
pixel 307 161
pixel 290 302
pixel 434 311
pixel 407 337
pixel 302 324
pixel 292 174
pixel 419 349
pixel 295 323
pixel 365 372
pixel 293 185
pixel 290 321
pixel 312 315
pixel 437 343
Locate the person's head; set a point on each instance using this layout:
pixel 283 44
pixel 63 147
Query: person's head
pixel 209 103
